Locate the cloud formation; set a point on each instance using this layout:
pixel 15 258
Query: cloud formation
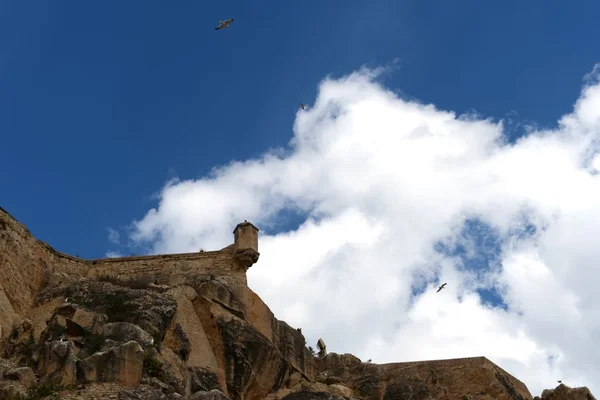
pixel 383 189
pixel 114 236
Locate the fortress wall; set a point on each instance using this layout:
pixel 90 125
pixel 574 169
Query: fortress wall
pixel 172 269
pixel 65 264
pixel 24 266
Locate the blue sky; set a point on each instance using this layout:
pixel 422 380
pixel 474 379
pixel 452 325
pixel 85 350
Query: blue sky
pixel 102 104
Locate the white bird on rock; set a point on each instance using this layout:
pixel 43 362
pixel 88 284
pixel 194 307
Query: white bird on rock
pixel 224 24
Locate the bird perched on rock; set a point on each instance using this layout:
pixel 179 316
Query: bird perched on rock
pixel 302 106
pixel 441 287
pixel 224 24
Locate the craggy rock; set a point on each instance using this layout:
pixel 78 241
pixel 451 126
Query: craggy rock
pixel 564 392
pixel 202 380
pixel 151 311
pixel 24 375
pixel 451 379
pixel 248 355
pixel 156 367
pixel 21 343
pixel 125 332
pixel 214 394
pixel 58 363
pixel 12 390
pixel 308 395
pixel 122 364
pixel 142 392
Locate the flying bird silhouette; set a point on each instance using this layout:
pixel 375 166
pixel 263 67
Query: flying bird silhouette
pixel 302 106
pixel 559 381
pixel 224 24
pixel 441 287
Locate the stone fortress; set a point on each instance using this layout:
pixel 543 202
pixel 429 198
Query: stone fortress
pixel 234 341
pixel 22 282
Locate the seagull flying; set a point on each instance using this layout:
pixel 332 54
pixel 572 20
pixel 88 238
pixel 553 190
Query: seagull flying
pixel 224 24
pixel 441 287
pixel 302 106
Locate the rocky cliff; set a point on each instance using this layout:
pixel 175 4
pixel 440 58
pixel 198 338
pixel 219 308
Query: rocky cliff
pixel 187 326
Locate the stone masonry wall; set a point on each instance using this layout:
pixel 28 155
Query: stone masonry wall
pixel 170 269
pixel 26 265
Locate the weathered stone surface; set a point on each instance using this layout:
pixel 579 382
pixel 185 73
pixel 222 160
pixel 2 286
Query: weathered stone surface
pixel 86 322
pixel 58 363
pixel 122 364
pixel 142 392
pixel 125 332
pixel 253 366
pixel 149 310
pixel 20 345
pixel 187 332
pixel 200 379
pixel 214 394
pixel 452 379
pixel 309 395
pixel 8 316
pixel 24 267
pixel 24 375
pixel 564 392
pixel 12 390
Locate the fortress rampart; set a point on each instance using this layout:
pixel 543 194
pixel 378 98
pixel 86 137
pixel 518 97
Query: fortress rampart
pixel 27 264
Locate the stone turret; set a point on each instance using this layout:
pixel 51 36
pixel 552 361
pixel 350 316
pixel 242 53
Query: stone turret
pixel 245 244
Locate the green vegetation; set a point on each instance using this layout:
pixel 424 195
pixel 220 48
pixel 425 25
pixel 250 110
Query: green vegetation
pixel 46 391
pixel 137 282
pixel 117 308
pixel 153 367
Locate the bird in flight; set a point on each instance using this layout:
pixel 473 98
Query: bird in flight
pixel 559 381
pixel 302 106
pixel 441 287
pixel 224 24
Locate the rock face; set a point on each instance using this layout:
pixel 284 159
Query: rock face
pixel 562 391
pixel 187 326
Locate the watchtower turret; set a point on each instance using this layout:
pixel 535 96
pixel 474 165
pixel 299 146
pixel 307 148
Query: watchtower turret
pixel 245 244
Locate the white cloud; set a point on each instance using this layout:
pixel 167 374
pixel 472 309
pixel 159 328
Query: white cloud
pixel 113 254
pixel 114 236
pixel 379 181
